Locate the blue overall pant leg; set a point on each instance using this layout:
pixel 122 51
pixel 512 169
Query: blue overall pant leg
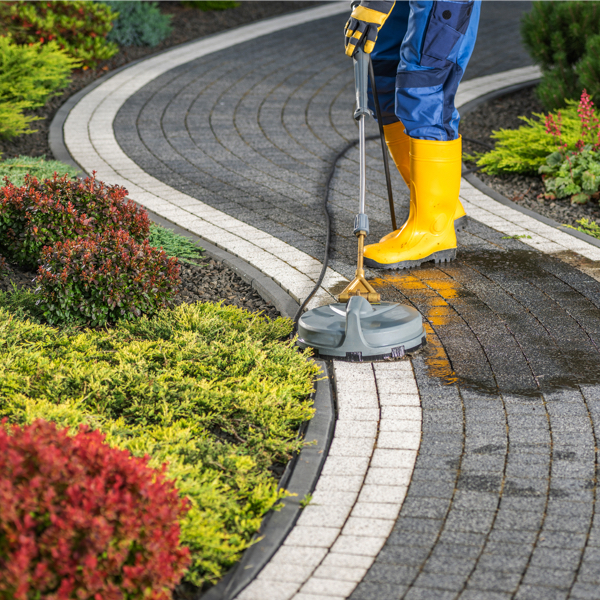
pixel 419 59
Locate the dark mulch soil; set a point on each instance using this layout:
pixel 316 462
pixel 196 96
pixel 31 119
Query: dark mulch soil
pixel 210 281
pixel 503 113
pixel 188 24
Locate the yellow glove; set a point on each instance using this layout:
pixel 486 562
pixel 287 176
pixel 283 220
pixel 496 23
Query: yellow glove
pixel 364 24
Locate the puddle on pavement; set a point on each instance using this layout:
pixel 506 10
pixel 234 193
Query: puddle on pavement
pixel 436 294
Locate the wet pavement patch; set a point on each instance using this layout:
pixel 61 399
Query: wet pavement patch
pixel 504 321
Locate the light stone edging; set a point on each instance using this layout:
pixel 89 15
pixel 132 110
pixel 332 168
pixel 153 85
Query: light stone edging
pixel 360 491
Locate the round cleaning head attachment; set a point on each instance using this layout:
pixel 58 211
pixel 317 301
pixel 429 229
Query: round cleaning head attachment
pixel 358 331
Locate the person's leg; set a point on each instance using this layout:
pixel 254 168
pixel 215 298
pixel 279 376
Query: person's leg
pixel 434 53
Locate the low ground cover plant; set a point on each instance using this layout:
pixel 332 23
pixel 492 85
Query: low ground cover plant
pixel 587 226
pixel 209 390
pixel 15 169
pixel 138 23
pixel 29 75
pixel 564 39
pixel 173 244
pixel 79 28
pixel 82 519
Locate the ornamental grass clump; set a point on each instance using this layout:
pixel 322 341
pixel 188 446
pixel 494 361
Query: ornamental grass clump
pixel 105 277
pixel 80 519
pixel 42 213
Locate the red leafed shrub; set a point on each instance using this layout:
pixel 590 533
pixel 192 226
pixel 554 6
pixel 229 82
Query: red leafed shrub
pixel 39 214
pixel 103 278
pixel 83 520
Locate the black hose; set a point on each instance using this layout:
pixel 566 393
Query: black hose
pixel 386 162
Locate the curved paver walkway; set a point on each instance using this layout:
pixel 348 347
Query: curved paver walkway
pixel 469 472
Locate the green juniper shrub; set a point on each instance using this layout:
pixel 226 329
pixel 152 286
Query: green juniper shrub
pixel 78 27
pixel 210 4
pixel 16 168
pixel 29 75
pixel 209 390
pixel 525 149
pixel 58 209
pixel 138 23
pixel 101 278
pixel 574 173
pixel 174 245
pixel 558 36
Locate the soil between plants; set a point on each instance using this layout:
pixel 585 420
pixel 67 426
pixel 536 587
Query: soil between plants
pixel 476 128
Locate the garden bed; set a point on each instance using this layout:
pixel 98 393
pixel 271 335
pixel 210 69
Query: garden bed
pixel 476 128
pixel 188 24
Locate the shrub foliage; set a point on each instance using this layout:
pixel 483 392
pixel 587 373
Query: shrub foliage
pixel 78 27
pixel 564 39
pixel 209 390
pixel 29 75
pixel 82 519
pixel 104 277
pixel 138 23
pixel 59 209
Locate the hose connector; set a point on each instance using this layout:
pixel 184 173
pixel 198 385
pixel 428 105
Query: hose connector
pixel 361 224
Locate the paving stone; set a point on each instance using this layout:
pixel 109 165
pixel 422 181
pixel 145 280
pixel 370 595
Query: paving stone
pixel 326 587
pixel 312 537
pixel 527 592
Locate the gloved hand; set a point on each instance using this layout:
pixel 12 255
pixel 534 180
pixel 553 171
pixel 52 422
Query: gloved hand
pixel 366 20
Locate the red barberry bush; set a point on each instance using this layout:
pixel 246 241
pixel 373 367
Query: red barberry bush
pixel 103 278
pixel 83 520
pixel 41 213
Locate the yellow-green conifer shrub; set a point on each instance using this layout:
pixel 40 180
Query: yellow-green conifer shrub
pixel 29 75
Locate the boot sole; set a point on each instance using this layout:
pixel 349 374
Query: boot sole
pixel 438 257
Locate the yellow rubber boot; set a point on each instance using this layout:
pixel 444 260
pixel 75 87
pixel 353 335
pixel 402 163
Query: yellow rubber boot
pixel 398 144
pixel 428 234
